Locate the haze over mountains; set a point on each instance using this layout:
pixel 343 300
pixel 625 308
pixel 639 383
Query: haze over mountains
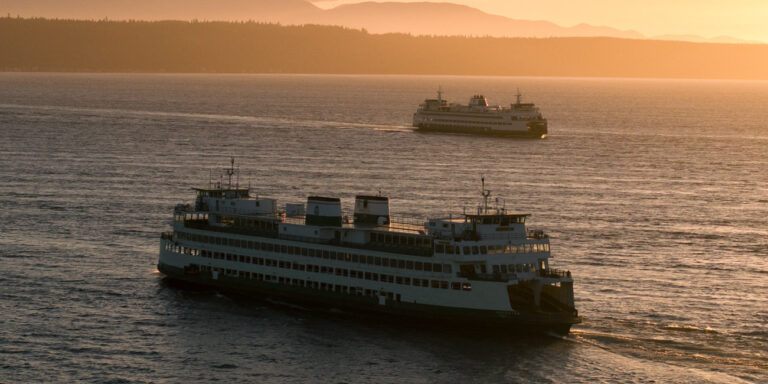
pixel 385 17
pixel 44 45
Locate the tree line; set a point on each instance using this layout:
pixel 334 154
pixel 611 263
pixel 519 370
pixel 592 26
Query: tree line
pixel 251 47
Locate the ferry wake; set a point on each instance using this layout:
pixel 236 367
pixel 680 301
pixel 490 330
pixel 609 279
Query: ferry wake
pixel 478 269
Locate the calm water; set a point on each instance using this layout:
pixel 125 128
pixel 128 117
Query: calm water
pixel 655 194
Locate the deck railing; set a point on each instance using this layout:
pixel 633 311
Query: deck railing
pixel 408 224
pixel 555 273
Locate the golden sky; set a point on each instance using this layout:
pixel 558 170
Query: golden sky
pixel 743 19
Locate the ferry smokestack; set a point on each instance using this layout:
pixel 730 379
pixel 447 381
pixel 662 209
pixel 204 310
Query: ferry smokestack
pixel 371 210
pixel 323 211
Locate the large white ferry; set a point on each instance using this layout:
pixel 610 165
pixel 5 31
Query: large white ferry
pixel 477 269
pixel 518 120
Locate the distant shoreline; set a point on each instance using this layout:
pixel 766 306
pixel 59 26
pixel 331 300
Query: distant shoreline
pixel 376 75
pixel 179 47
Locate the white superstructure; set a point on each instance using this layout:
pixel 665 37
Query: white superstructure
pixel 481 267
pixel 517 120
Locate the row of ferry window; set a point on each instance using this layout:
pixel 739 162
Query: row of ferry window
pixel 512 268
pixel 491 249
pixel 385 278
pixel 320 253
pixel 358 291
pixel 401 240
pixel 464 122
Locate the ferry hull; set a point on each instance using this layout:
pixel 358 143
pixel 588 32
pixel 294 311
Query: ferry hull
pixel 537 132
pixel 384 310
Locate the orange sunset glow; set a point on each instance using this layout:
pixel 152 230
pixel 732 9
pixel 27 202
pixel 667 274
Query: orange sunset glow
pixel 739 19
pixel 548 38
pixel 388 191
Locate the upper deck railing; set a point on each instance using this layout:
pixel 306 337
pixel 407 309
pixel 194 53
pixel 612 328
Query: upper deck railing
pixel 553 273
pixel 402 224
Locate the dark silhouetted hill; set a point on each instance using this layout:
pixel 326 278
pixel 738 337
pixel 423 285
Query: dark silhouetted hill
pixel 176 46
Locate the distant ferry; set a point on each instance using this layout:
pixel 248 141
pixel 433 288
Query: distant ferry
pixel 519 120
pixel 477 269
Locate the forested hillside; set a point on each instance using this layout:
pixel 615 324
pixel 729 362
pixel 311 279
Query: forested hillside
pixel 176 46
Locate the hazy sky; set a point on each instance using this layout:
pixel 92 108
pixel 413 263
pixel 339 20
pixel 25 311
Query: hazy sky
pixel 745 19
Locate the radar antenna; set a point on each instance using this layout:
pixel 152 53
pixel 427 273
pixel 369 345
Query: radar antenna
pixel 486 194
pixel 231 170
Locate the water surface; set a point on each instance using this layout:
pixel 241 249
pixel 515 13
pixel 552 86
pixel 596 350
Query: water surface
pixel 654 193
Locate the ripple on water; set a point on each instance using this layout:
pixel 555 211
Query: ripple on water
pixel 661 221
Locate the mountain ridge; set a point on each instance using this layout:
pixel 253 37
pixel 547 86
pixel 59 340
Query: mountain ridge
pixel 41 45
pixel 421 18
